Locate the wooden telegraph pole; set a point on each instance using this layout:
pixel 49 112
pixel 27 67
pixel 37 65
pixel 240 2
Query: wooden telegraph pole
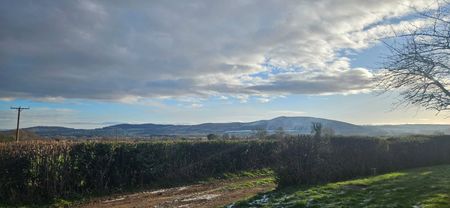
pixel 19 109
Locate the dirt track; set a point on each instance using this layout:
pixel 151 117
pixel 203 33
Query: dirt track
pixel 212 194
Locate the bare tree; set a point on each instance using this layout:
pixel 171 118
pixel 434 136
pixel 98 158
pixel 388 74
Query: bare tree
pixel 419 62
pixel 316 129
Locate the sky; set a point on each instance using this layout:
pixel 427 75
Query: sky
pixel 88 64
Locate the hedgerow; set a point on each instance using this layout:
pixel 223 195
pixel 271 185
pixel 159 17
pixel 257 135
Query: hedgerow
pixel 37 171
pixel 42 171
pixel 310 160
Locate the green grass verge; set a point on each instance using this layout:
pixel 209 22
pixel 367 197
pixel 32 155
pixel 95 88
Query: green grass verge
pixel 416 188
pixel 266 172
pixel 257 182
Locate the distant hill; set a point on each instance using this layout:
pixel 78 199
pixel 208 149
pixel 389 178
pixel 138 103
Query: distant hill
pixel 292 125
pixel 408 129
pixel 295 125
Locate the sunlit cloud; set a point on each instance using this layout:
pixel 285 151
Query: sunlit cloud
pixel 129 52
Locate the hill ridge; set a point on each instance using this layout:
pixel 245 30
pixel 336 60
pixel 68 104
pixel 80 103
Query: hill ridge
pixel 290 124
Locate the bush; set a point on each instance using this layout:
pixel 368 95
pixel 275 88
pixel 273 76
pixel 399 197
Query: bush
pixel 309 160
pixel 42 171
pixel 212 137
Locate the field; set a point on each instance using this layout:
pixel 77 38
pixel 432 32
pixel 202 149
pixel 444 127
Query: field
pixel 422 187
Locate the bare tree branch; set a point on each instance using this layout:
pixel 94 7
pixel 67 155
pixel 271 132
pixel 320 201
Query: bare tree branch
pixel 419 62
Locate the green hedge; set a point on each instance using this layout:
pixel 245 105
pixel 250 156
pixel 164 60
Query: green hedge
pixel 42 171
pixel 309 160
pixel 32 172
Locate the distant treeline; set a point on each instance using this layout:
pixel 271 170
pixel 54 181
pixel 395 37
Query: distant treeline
pixel 37 171
pixel 8 136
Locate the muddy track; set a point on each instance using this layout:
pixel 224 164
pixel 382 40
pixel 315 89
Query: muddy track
pixel 212 194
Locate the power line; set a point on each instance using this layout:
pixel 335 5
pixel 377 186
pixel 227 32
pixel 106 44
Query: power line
pixel 19 109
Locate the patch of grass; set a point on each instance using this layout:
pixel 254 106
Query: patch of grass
pixel 251 183
pixel 424 187
pixel 258 173
pixel 249 174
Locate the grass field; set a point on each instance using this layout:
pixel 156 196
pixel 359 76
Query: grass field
pixel 417 188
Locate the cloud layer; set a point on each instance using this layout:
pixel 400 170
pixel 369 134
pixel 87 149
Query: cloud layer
pixel 112 50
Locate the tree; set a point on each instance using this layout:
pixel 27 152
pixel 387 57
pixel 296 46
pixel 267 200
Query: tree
pixel 316 129
pixel 419 62
pixel 212 137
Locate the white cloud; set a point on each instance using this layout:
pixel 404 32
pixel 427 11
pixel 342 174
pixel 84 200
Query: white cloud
pixel 196 105
pixel 223 97
pixel 111 50
pixel 6 99
pixel 38 116
pixel 287 113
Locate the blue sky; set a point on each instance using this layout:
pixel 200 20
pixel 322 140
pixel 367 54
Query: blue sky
pixel 88 64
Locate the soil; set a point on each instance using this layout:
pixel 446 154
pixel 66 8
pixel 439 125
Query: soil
pixel 217 193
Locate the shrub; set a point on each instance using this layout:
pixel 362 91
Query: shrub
pixel 212 137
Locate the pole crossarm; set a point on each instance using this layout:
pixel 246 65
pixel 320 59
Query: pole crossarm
pixel 20 108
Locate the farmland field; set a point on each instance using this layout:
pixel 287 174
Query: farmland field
pixel 422 187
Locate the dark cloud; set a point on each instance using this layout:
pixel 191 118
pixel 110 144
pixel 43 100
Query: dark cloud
pixel 349 81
